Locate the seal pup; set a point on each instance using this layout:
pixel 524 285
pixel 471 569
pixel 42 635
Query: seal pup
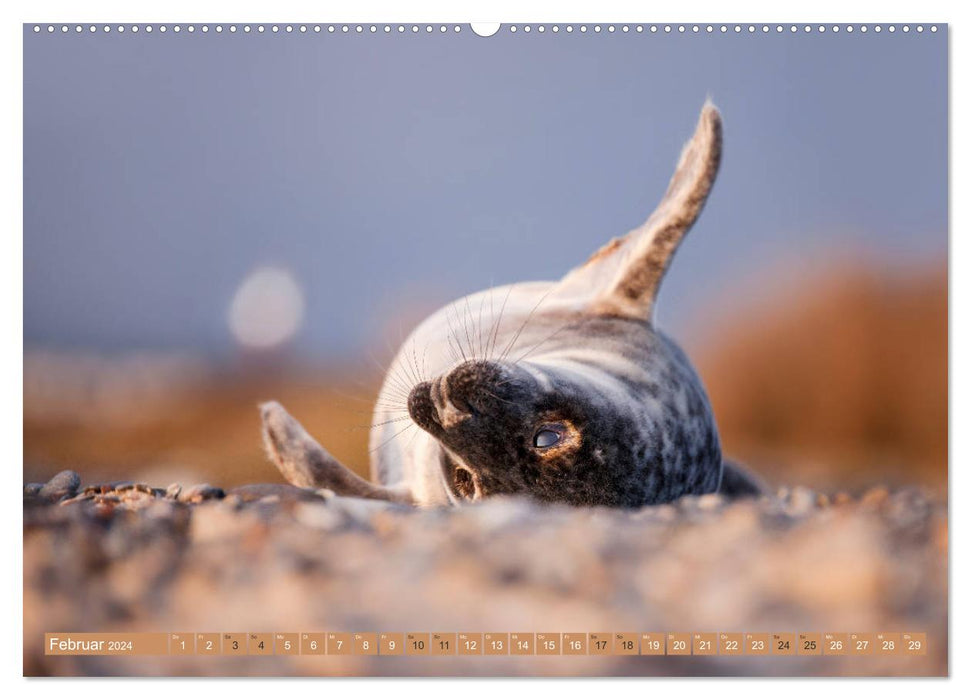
pixel 564 391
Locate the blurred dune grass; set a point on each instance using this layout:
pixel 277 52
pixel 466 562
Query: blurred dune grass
pixel 840 384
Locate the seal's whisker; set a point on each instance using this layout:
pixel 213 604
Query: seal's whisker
pixel 407 427
pixel 479 327
pixel 414 359
pixel 512 342
pixel 391 381
pixel 495 333
pixel 452 350
pixel 544 340
pixel 466 318
pixel 394 382
pixel 412 438
pixel 454 334
pixel 401 357
pixel 378 425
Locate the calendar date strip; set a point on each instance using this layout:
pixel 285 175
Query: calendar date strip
pixel 486 644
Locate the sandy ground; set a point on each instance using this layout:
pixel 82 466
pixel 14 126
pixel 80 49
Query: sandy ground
pixel 133 558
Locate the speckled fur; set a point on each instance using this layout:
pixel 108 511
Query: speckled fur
pixel 647 434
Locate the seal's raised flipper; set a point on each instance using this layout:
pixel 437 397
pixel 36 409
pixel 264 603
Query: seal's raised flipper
pixel 304 463
pixel 623 277
pixel 738 482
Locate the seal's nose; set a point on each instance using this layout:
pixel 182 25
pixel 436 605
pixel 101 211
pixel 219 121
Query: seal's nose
pixel 451 399
pixel 422 409
pixel 469 387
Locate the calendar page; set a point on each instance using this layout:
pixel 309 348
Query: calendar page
pixel 517 349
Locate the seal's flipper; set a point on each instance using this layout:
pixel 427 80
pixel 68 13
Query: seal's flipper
pixel 738 482
pixel 304 463
pixel 623 277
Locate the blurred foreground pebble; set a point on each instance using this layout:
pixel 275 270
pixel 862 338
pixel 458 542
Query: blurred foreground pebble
pixel 274 558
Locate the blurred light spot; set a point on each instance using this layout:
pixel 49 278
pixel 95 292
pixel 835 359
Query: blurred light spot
pixel 267 308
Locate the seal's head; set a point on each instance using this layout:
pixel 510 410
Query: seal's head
pixel 584 430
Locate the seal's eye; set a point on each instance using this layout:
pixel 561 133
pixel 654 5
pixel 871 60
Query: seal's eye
pixel 547 436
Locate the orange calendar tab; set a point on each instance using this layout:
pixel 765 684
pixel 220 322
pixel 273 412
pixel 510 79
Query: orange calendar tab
pixel 286 643
pixel 443 643
pixel 783 643
pixel 259 643
pixel 470 644
pixel 731 643
pixel 810 644
pixel 106 644
pixel 913 643
pixel 339 643
pixel 416 643
pixel 522 643
pixel 861 644
pixel 601 643
pixel 234 643
pixel 391 644
pixel 626 644
pixel 835 643
pixel 209 643
pixel 365 644
pixel 653 643
pixel 888 643
pixel 314 643
pixel 704 643
pixel 548 643
pixel 496 643
pixel 182 643
pixel 679 644
pixel 756 643
pixel 575 643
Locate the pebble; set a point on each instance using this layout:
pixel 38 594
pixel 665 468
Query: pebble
pixel 801 501
pixel 874 497
pixel 200 493
pixel 61 486
pixel 319 516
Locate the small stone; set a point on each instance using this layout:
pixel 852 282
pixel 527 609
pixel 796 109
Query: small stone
pixel 173 490
pixel 874 497
pixel 842 498
pixel 822 500
pixel 710 501
pixel 213 521
pixel 61 486
pixel 318 516
pixel 801 501
pixel 200 493
pixel 361 510
pixel 666 512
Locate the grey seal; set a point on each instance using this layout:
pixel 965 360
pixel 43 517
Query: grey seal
pixel 564 391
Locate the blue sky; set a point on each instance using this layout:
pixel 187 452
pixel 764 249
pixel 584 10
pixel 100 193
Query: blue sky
pixel 391 173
